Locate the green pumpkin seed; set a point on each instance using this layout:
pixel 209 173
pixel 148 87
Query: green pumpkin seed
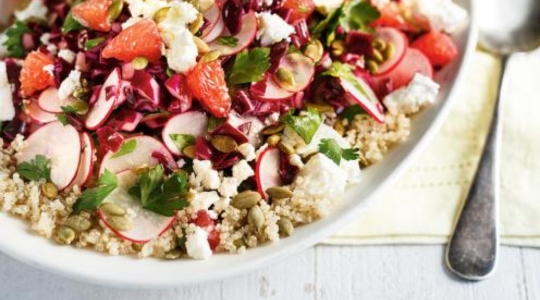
pixel 256 218
pixel 78 223
pixel 285 77
pixel 323 108
pixel 202 5
pixel 239 243
pixel 115 10
pixel 246 200
pixel 82 93
pixel 339 127
pixel 273 129
pixel 139 63
pixel 286 227
pixel 286 148
pixel 379 44
pixel 197 24
pixel 112 209
pixel 49 190
pixel 377 56
pixel 389 51
pixel 161 15
pixel 273 140
pixel 211 56
pixel 173 254
pixel 120 223
pixel 190 151
pixel 314 50
pixel 372 66
pixel 224 143
pixel 279 192
pixel 338 48
pixel 80 106
pixel 65 235
pixel 202 46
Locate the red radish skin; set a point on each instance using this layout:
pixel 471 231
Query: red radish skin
pixel 302 69
pixel 50 102
pixel 194 123
pixel 366 98
pixel 101 110
pixel 413 62
pixel 38 115
pixel 245 36
pixel 86 163
pixel 61 145
pixel 141 156
pixel 400 42
pixel 267 171
pixel 272 91
pixel 147 225
pixel 217 25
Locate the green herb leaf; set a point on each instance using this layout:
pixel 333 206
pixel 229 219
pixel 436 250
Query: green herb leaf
pixel 126 148
pixel 214 122
pixel 250 66
pixel 332 150
pixel 306 124
pixel 62 117
pixel 70 24
pixel 181 141
pixel 36 169
pixel 352 111
pixel 91 199
pixel 160 195
pixel 69 109
pixel 345 72
pixel 229 41
pixel 88 45
pixel 326 29
pixel 358 14
pixel 14 39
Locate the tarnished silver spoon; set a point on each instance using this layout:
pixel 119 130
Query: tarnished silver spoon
pixel 507 27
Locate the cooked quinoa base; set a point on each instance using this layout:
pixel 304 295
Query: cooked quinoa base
pixel 45 216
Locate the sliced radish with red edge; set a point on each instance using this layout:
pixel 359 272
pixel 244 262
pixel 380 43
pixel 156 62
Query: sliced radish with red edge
pixel 244 38
pixel 267 170
pixel 302 69
pixel 413 62
pixel 86 163
pixel 216 26
pixel 401 43
pixel 50 102
pixel 360 92
pixel 193 123
pixel 269 90
pixel 38 115
pixel 109 95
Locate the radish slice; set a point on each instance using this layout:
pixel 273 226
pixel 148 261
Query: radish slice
pixel 108 95
pixel 86 163
pixel 271 91
pixel 50 102
pixel 147 225
pixel 255 126
pixel 245 37
pixel 267 171
pixel 194 123
pixel 38 115
pixel 302 69
pixel 401 43
pixel 61 145
pixel 217 25
pixel 363 95
pixel 141 155
pixel 413 62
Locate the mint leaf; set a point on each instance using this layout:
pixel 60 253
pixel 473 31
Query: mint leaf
pixel 351 112
pixel 14 39
pixel 62 117
pixel 126 148
pixel 88 45
pixel 36 169
pixel 229 41
pixel 249 66
pixel 306 124
pixel 91 199
pixel 332 150
pixel 345 72
pixel 358 14
pixel 70 24
pixel 181 141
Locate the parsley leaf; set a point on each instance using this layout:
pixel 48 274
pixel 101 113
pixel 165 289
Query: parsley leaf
pixel 326 29
pixel 69 109
pixel 357 15
pixel 345 72
pixel 305 124
pixel 332 150
pixel 36 169
pixel 161 195
pixel 214 123
pixel 91 199
pixel 229 41
pixel 352 111
pixel 88 45
pixel 14 39
pixel 70 24
pixel 181 141
pixel 126 148
pixel 250 66
pixel 62 118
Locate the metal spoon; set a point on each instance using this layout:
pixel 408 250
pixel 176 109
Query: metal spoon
pixel 509 27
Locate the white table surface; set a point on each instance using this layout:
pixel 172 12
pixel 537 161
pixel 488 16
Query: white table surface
pixel 323 272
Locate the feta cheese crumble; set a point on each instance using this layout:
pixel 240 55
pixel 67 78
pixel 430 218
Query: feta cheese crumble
pixel 442 15
pixel 204 200
pixel 35 9
pixel 145 8
pixel 7 109
pixel 197 244
pixel 273 29
pixel 67 55
pixel 420 92
pixel 205 175
pixel 68 86
pixel 248 151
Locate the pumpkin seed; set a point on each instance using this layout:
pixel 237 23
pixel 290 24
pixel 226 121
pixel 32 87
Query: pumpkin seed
pixel 65 235
pixel 78 223
pixel 190 151
pixel 379 44
pixel 115 10
pixel 202 5
pixel 286 148
pixel 321 107
pixel 173 254
pixel 377 56
pixel 372 66
pixel 339 128
pixel 139 63
pixel 120 223
pixel 112 209
pixel 49 190
pixel 197 24
pixel 286 227
pixel 256 218
pixel 224 143
pixel 246 199
pixel 211 56
pixel 202 46
pixel 273 140
pixel 273 129
pixel 279 192
pixel 23 4
pixel 314 50
pixel 161 14
pixel 285 77
pixel 389 51
pixel 338 48
pixel 239 243
pixel 141 169
pixel 82 93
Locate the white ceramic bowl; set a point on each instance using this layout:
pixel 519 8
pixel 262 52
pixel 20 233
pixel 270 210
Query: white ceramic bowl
pixel 18 242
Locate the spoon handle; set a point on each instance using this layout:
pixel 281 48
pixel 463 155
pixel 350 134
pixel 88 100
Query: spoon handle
pixel 472 250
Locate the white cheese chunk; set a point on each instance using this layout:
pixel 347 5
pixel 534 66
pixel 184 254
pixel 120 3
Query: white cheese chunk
pixel 68 86
pixel 34 9
pixel 197 244
pixel 7 109
pixel 420 92
pixel 442 15
pixel 273 29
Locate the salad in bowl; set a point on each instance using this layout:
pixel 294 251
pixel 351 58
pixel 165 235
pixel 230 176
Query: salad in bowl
pixel 178 128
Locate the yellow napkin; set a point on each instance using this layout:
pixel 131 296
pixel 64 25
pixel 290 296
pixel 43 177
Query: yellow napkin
pixel 421 207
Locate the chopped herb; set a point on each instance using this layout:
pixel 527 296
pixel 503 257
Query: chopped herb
pixel 161 195
pixel 332 150
pixel 88 45
pixel 69 109
pixel 91 199
pixel 229 41
pixel 181 141
pixel 358 14
pixel 126 148
pixel 305 124
pixel 36 169
pixel 325 30
pixel 62 117
pixel 352 111
pixel 249 66
pixel 214 122
pixel 14 39
pixel 70 24
pixel 345 72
